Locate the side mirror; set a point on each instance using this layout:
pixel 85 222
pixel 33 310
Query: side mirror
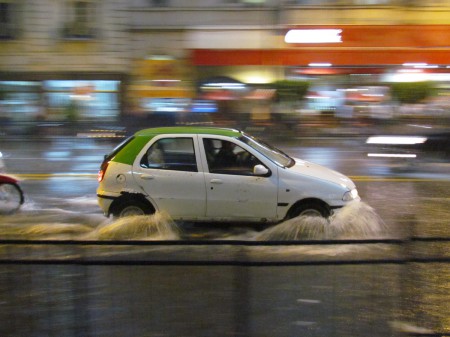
pixel 260 170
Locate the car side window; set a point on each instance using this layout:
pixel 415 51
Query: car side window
pixel 225 157
pixel 175 154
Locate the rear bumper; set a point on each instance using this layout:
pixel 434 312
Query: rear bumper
pixel 105 201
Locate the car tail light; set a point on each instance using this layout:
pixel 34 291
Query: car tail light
pixel 101 173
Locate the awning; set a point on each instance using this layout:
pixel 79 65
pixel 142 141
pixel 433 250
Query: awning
pixel 304 56
pixel 359 45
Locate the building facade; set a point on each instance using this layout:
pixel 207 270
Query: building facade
pixel 62 60
pixel 108 57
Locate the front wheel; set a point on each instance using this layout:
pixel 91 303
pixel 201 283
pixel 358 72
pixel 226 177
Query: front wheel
pixel 11 198
pixel 132 208
pixel 310 209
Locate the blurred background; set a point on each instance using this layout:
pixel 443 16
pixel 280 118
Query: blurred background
pixel 324 79
pixel 298 66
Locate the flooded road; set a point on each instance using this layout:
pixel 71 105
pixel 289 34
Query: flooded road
pixel 81 274
pixel 391 208
pixel 59 180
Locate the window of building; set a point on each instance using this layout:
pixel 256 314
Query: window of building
pixel 19 101
pixel 79 23
pixel 159 3
pixel 6 20
pixel 92 99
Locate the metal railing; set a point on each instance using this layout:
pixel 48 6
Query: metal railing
pixel 45 255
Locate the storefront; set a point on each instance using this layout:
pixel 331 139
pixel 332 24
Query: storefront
pixel 159 83
pixel 335 59
pixel 60 97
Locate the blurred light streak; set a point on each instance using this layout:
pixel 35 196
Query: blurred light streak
pixel 420 126
pixel 320 64
pixel 313 36
pixel 396 140
pixel 414 64
pixel 427 66
pixel 391 155
pixel 223 85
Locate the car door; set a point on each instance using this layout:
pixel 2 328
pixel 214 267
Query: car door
pixel 167 170
pixel 234 192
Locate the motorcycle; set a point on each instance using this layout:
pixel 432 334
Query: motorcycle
pixel 11 194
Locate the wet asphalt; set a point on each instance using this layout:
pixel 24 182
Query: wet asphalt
pixel 225 281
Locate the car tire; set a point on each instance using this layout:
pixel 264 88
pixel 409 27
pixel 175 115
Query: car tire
pixel 132 207
pixel 310 209
pixel 11 198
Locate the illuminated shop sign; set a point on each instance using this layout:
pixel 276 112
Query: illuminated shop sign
pixel 313 36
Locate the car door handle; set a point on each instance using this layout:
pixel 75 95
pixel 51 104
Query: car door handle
pixel 147 176
pixel 216 181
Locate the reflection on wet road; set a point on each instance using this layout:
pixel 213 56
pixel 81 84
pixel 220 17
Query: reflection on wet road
pixel 319 289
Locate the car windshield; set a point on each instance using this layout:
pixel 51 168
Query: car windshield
pixel 272 153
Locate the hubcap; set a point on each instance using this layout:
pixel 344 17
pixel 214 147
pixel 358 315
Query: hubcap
pixel 311 212
pixel 131 210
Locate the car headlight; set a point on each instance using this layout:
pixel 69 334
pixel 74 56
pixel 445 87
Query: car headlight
pixel 350 195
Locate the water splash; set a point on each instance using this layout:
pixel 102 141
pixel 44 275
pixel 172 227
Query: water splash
pixel 53 223
pixel 355 220
pixel 51 216
pixel 410 328
pixel 58 229
pixel 158 226
pixel 302 227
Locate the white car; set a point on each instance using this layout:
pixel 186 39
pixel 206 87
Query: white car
pixel 215 174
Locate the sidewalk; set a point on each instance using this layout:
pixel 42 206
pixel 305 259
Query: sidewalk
pixel 280 130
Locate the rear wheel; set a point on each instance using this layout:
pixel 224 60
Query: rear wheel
pixel 132 207
pixel 310 209
pixel 11 198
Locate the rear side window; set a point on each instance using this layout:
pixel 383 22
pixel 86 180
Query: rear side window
pixel 175 154
pixel 118 148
